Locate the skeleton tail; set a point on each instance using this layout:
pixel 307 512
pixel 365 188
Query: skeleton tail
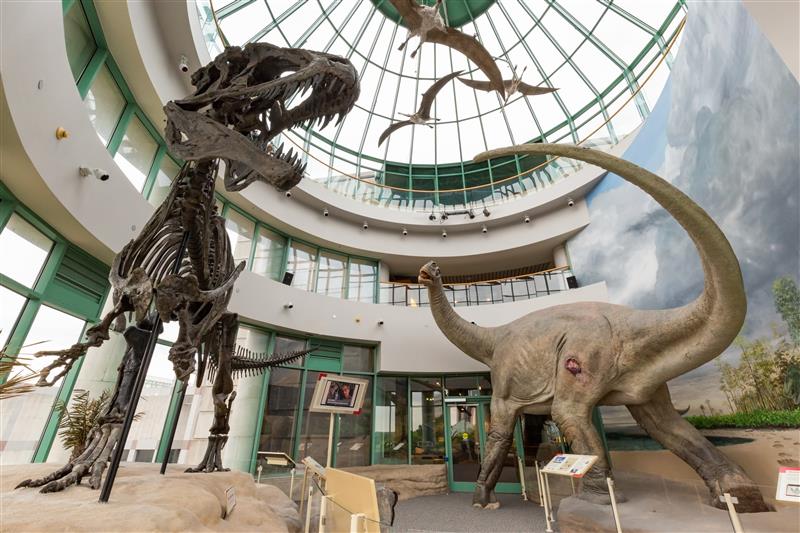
pixel 248 363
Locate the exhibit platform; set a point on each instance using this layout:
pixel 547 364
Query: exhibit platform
pixel 144 500
pixel 656 504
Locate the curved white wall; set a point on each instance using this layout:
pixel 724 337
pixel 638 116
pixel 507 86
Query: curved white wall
pixel 103 216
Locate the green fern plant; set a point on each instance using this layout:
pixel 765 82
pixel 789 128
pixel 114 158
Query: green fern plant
pixel 78 420
pixel 18 383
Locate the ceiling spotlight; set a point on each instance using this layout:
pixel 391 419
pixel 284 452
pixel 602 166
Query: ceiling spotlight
pixel 570 202
pixel 405 232
pixel 325 212
pixel 380 322
pixel 444 216
pixel 484 229
pixel 432 217
pixel 486 212
pixel 288 194
pixel 527 219
pixel 365 225
pixel 471 214
pixel 183 64
pixel 444 234
pixel 289 305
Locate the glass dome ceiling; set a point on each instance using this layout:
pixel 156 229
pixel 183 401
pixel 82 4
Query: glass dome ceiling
pixel 608 59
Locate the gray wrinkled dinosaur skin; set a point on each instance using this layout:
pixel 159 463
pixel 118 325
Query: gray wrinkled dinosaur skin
pixel 238 108
pixel 566 359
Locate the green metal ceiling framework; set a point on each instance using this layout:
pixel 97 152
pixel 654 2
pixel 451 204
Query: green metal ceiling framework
pixel 359 29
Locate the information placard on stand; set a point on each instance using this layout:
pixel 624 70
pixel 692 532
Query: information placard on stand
pixel 568 464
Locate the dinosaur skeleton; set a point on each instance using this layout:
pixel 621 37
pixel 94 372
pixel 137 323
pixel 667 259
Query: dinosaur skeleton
pixel 427 24
pixel 181 263
pixel 423 114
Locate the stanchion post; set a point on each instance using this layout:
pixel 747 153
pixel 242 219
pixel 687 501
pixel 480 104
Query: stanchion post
pixel 291 485
pixel 737 525
pixel 303 490
pixel 549 497
pixel 539 484
pixel 308 508
pixel 323 510
pixel 614 509
pixel 259 468
pixel 547 513
pixel 521 466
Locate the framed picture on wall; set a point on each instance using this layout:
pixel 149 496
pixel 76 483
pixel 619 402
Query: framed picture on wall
pixel 339 394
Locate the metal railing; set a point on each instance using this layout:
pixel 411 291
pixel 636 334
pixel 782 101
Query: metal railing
pixel 491 292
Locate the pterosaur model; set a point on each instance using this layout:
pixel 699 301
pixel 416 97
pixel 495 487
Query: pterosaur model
pixel 427 24
pixel 423 114
pixel 566 359
pixel 514 85
pixel 181 263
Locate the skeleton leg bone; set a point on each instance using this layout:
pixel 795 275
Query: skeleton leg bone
pixel 223 395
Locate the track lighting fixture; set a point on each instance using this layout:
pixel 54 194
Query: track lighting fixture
pixel 444 216
pixel 471 214
pixel 486 212
pixel 432 217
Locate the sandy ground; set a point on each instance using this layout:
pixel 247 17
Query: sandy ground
pixel 761 458
pixel 143 500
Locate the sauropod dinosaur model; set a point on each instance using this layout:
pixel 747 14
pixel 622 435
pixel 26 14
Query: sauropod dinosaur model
pixel 569 358
pixel 181 263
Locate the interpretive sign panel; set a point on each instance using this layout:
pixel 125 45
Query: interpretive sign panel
pixel 568 464
pixel 788 484
pixel 339 394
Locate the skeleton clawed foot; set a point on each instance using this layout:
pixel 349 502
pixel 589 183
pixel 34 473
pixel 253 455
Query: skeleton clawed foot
pixel 91 462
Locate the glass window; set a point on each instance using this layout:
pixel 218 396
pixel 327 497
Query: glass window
pixel 303 264
pixel 136 152
pixel 353 444
pixel 24 417
pixel 79 38
pixel 105 104
pixel 280 412
pixel 427 421
pixel 330 280
pixel 167 171
pixel 391 419
pixel 268 258
pixel 357 358
pixel 240 231
pixel 314 435
pixel 23 251
pixel 9 311
pixel 363 274
pixel 462 386
pixel 153 404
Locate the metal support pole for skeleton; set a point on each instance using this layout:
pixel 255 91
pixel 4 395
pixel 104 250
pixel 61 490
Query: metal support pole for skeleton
pixel 173 427
pixel 137 389
pixel 610 483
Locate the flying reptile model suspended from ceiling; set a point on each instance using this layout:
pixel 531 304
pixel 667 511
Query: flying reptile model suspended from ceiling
pixel 423 114
pixel 514 85
pixel 426 23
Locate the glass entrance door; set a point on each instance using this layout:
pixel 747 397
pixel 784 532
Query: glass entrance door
pixel 468 426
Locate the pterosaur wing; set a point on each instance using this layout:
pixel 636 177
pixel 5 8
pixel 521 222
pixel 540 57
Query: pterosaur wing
pixel 474 50
pixel 430 95
pixel 391 129
pixel 408 9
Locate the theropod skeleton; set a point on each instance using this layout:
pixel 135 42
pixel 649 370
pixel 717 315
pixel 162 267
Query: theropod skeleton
pixel 181 263
pixel 567 359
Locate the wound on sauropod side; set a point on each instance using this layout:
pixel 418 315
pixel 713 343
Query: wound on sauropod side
pixel 573 366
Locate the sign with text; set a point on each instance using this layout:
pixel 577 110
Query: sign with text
pixel 568 464
pixel 230 501
pixel 788 484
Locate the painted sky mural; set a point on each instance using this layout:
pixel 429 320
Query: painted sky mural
pixel 726 132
